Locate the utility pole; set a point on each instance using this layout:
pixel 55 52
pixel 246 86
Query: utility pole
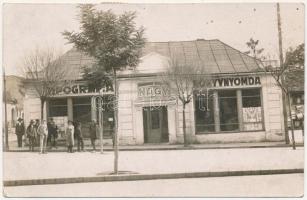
pixel 115 105
pixel 281 61
pixel 6 134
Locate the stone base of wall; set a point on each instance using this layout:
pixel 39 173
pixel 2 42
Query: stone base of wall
pixel 260 136
pixel 241 137
pixel 127 141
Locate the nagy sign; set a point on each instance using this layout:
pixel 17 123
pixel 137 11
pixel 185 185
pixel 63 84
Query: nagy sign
pixel 237 81
pixel 153 91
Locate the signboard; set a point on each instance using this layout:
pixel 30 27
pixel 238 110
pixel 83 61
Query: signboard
pixel 237 81
pixel 153 91
pixel 79 89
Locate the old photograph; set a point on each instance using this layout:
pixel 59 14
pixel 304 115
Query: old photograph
pixel 153 99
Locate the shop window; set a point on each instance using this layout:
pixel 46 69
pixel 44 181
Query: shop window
pixel 82 109
pixel 108 115
pixel 251 110
pixel 228 110
pixel 204 113
pixel 58 107
pixel 252 119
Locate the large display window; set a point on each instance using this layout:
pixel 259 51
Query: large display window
pixel 251 110
pixel 228 110
pixel 235 110
pixel 204 112
pixel 57 107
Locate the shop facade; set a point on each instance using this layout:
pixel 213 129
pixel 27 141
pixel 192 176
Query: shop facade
pixel 243 103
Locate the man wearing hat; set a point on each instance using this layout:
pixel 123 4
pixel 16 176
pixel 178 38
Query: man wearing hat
pixel 31 132
pixel 19 131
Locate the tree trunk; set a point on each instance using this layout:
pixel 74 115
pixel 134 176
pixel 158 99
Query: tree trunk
pixel 284 107
pixel 184 126
pixel 115 124
pixel 292 126
pixel 42 108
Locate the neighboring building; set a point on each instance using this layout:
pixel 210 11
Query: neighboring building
pixel 244 104
pixel 295 82
pixel 14 99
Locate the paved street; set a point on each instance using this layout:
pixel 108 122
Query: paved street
pixel 286 185
pixel 26 165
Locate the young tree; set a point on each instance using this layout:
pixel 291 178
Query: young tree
pixel 114 42
pixel 285 75
pixel 254 51
pixel 184 80
pixel 44 68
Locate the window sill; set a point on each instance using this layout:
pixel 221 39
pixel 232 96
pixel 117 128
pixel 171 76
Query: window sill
pixel 223 132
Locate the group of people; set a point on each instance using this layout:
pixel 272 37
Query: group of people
pixel 36 133
pixel 46 134
pixel 73 131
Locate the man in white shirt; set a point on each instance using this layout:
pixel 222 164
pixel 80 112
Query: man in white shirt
pixel 43 133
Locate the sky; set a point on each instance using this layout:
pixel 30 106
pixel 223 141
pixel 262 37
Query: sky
pixel 27 26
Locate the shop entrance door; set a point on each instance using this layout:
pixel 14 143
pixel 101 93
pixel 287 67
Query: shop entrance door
pixel 155 124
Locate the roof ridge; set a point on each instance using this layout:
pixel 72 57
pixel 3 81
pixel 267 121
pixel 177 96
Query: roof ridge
pixel 183 41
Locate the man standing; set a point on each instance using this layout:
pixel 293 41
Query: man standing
pixel 19 131
pixel 36 125
pixel 43 133
pixel 93 132
pixel 52 133
pixel 31 135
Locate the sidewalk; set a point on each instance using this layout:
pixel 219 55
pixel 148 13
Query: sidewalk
pixel 161 146
pixel 164 146
pixel 31 166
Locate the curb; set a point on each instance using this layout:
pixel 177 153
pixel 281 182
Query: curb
pixel 175 148
pixel 135 177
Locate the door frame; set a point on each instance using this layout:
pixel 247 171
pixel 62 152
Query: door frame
pixel 163 124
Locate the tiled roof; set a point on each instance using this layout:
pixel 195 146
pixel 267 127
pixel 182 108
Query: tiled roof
pixel 214 55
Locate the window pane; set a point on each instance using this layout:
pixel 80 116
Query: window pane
pixel 228 110
pixel 204 114
pixel 57 107
pixel 252 111
pixel 155 119
pixel 82 101
pixel 108 115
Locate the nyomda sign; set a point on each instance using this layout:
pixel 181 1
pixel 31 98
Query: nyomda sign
pixel 237 81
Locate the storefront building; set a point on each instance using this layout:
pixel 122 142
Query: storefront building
pixel 243 104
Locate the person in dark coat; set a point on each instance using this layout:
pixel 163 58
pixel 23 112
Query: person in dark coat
pixel 31 133
pixel 93 133
pixel 19 131
pixel 37 136
pixel 52 133
pixel 79 136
